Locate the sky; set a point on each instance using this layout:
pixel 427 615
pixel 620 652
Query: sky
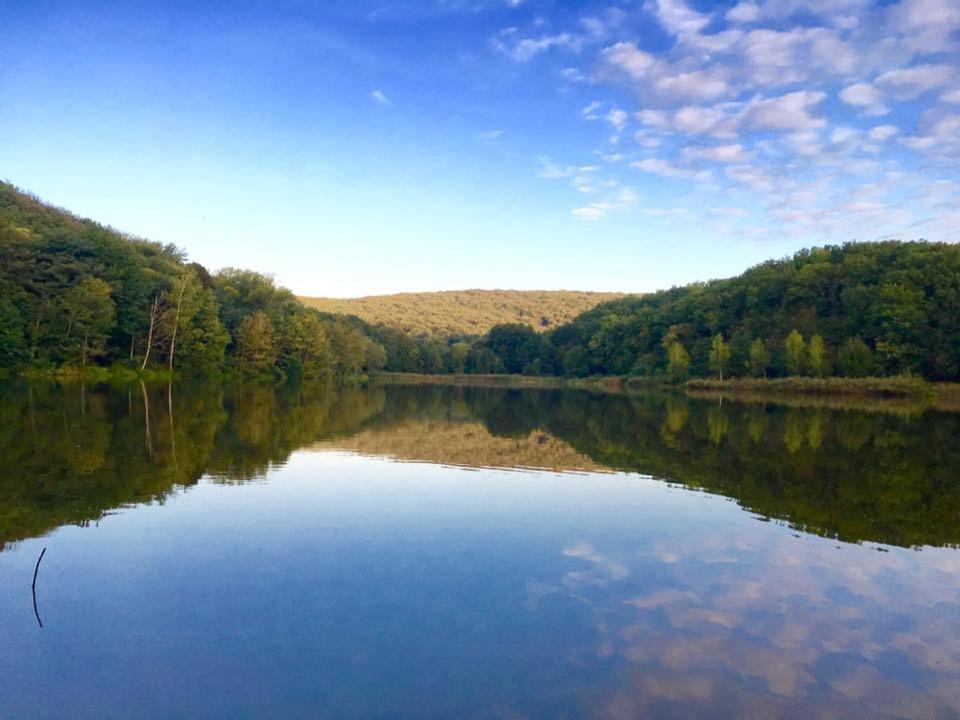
pixel 362 147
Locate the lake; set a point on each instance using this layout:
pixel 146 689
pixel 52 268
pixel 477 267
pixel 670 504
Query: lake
pixel 447 552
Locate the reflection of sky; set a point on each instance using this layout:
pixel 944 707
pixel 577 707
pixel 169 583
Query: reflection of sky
pixel 354 587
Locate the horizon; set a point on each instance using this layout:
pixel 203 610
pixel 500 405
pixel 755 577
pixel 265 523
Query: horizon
pixel 494 144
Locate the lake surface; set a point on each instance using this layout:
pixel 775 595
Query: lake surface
pixel 444 552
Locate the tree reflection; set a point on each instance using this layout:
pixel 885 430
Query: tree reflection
pixel 72 453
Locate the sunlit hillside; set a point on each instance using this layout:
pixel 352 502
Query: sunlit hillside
pixel 466 312
pixel 468 444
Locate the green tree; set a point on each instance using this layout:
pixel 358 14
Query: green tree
pixel 817 357
pixel 855 358
pixel 759 358
pixel 678 363
pixel 310 343
pixel 514 343
pixel 458 355
pixel 575 362
pixel 255 341
pixel 796 352
pixel 90 315
pixel 719 355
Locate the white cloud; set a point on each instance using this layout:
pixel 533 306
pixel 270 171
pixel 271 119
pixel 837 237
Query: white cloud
pixel 743 12
pixel 380 98
pixel 786 112
pixel 697 84
pixel 908 83
pixel 521 49
pixel 697 120
pixel 677 18
pixel 653 118
pixel 488 136
pixel 658 166
pixel 866 96
pixel 625 198
pixel 842 135
pixel 752 176
pixel 617 118
pixel 627 57
pixel 718 153
pixel 928 26
pixel 942 133
pixel 590 111
pixel 647 140
pixel 551 170
pixel 768 104
pixel 880 133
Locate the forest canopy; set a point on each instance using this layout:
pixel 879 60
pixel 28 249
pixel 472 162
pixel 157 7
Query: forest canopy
pixel 855 310
pixel 465 313
pixel 75 293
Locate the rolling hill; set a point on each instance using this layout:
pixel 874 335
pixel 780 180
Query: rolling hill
pixel 465 312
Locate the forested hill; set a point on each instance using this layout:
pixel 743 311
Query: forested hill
pixel 882 308
pixel 75 294
pixel 463 313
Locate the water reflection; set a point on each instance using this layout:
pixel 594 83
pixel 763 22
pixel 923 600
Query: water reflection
pixel 337 582
pixel 72 453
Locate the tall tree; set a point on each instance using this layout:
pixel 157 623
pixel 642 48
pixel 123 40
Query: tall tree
pixel 90 313
pixel 795 353
pixel 855 358
pixel 719 355
pixel 759 358
pixel 817 353
pixel 678 363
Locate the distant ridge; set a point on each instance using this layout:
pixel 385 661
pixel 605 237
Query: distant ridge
pixel 465 312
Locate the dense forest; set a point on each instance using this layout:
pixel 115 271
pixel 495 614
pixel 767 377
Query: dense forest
pixel 856 310
pixel 461 314
pixel 74 293
pixel 859 309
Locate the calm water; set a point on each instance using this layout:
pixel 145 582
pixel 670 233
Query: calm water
pixel 428 552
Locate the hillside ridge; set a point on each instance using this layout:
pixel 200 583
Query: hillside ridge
pixel 470 312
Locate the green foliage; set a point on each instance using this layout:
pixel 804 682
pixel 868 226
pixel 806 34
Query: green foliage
pixel 719 355
pixel 900 298
pixel 575 362
pixel 73 292
pixel 90 313
pixel 255 343
pixel 795 357
pixel 678 363
pixel 759 358
pixel 464 313
pixel 515 344
pixel 817 357
pixel 855 358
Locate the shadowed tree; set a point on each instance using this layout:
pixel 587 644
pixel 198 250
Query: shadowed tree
pixel 759 358
pixel 90 315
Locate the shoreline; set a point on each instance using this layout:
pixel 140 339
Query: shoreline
pixel 900 393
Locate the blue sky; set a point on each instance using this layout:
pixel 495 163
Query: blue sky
pixel 351 148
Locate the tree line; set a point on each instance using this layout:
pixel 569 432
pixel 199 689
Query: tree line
pixel 74 293
pixel 855 310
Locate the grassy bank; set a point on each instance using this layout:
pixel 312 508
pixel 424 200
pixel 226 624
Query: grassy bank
pixel 96 373
pixel 478 380
pixel 895 394
pixel 890 387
